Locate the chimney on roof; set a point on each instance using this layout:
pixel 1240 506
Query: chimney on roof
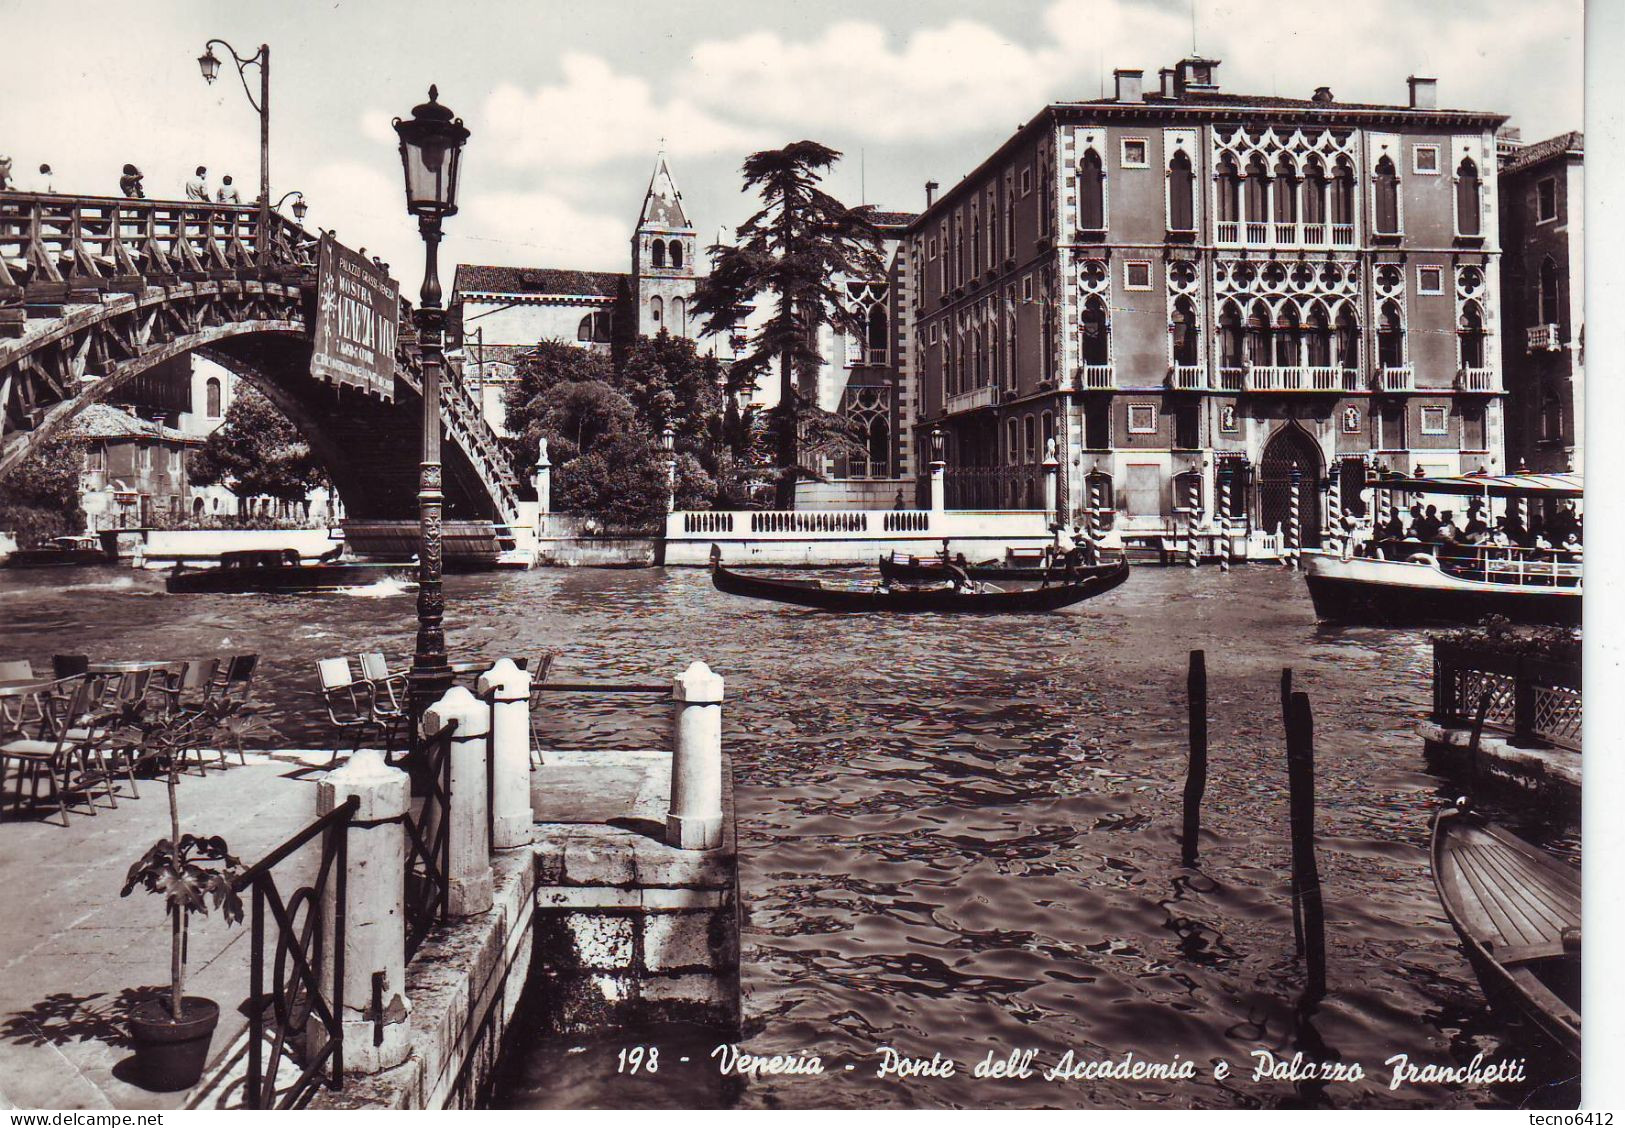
pixel 1167 75
pixel 931 187
pixel 1323 94
pixel 1424 93
pixel 1195 73
pixel 1130 85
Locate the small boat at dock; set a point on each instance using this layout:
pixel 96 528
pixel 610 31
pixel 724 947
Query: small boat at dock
pixel 273 570
pixel 933 569
pixel 62 552
pixel 943 598
pixel 1517 912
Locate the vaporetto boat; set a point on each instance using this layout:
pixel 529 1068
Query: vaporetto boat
pixel 1402 581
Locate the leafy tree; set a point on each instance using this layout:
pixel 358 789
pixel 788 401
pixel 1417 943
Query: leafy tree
pixel 795 248
pixel 256 452
pixel 669 383
pixel 529 399
pixel 39 499
pixel 622 481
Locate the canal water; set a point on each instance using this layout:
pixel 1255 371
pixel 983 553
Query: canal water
pixel 959 836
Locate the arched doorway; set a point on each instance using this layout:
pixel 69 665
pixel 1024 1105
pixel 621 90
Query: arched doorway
pixel 1290 448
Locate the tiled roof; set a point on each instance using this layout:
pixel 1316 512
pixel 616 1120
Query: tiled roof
pixel 1571 142
pixel 103 421
pixel 535 280
pixel 1211 98
pixel 892 218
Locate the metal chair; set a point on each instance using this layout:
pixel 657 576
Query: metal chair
pixel 185 692
pixel 68 665
pixel 348 700
pixel 389 700
pixel 36 723
pixel 16 670
pixel 538 668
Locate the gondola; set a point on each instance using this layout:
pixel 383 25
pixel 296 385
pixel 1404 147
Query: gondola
pixel 278 570
pixel 1517 911
pixel 931 569
pixel 979 599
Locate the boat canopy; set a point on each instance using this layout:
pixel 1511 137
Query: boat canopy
pixel 1488 485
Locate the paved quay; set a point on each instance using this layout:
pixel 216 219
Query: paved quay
pixel 72 950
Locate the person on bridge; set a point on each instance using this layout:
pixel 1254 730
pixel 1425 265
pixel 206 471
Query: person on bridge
pixel 5 174
pixel 130 183
pixel 228 193
pixel 197 188
pixel 45 175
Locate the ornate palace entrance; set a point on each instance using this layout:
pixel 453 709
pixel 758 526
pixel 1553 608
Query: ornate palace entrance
pixel 1290 448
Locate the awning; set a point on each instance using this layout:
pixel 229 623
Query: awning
pixel 1488 485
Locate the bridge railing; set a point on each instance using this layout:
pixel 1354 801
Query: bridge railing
pixel 51 245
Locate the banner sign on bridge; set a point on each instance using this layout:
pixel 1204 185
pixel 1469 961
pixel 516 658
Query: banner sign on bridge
pixel 357 314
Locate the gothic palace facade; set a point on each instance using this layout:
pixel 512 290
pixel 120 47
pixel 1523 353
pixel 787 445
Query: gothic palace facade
pixel 1182 286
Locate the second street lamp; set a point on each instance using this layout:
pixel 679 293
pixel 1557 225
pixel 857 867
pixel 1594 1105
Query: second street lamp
pixel 209 64
pixel 431 156
pixel 299 205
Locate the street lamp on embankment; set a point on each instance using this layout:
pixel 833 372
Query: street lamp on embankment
pixel 431 157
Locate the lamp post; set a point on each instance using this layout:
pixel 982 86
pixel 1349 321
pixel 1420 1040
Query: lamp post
pixel 431 156
pixel 668 444
pixel 209 64
pixel 299 205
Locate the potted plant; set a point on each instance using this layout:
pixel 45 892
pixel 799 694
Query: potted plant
pixel 195 875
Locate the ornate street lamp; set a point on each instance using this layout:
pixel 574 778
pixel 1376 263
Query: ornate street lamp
pixel 431 155
pixel 299 205
pixel 209 65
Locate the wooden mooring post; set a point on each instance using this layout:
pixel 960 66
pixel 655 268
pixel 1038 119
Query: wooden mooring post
pixel 1300 742
pixel 1286 723
pixel 1196 772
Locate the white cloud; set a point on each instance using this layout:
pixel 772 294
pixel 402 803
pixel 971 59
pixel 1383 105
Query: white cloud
pixel 539 228
pixel 596 114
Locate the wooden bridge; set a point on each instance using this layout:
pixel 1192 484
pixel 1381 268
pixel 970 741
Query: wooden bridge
pixel 96 290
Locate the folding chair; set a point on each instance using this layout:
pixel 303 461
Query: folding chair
pixel 388 699
pixel 348 701
pixel 16 670
pixel 186 697
pixel 538 667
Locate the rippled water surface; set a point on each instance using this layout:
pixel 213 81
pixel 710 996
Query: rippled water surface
pixel 960 835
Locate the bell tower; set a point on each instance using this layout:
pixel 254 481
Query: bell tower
pixel 663 251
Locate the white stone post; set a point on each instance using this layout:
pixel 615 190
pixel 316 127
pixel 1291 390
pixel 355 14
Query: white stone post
pixel 1052 490
pixel 543 480
pixel 695 819
pixel 374 913
pixel 938 490
pixel 507 689
pixel 468 864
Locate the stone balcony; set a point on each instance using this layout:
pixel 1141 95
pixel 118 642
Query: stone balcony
pixel 1544 338
pixel 1094 378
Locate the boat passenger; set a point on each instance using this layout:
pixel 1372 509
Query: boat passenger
pixel 1448 533
pixel 1428 528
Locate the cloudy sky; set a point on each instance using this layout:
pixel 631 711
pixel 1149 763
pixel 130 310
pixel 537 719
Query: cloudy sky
pixel 568 102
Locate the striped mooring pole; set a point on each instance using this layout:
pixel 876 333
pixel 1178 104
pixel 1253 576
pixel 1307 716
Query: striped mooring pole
pixel 1224 520
pixel 1092 518
pixel 1193 498
pixel 1334 516
pixel 1294 519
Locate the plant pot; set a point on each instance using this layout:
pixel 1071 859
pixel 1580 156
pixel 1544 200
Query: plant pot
pixel 170 1055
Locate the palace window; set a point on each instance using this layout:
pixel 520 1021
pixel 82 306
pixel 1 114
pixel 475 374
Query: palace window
pixel 1551 413
pixel 1009 214
pixel 1027 180
pixel 1181 193
pixel 1348 339
pixel 1091 193
pixel 1012 441
pixel 1029 434
pixel 1467 203
pixel 1230 339
pixel 211 398
pixel 975 240
pixel 877 334
pixel 1286 336
pixel 1258 335
pixel 1182 331
pixel 1550 304
pixel 1133 153
pixel 1386 192
pixel 1429 280
pixel 1286 191
pixel 1471 332
pixel 1435 421
pixel 1343 193
pixel 1256 190
pixel 1472 429
pixel 1229 204
pixel 1142 418
pixel 1097 426
pixel 1314 192
pixel 1094 340
pixel 931 251
pixel 1046 430
pixel 1425 159
pixel 1317 339
pixel 1188 429
pixel 1137 274
pixel 1546 200
pixel 1390 336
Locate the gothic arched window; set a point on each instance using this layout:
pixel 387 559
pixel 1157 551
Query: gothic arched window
pixel 1386 217
pixel 880 447
pixel 656 309
pixel 1467 206
pixel 1343 193
pixel 1550 304
pixel 1229 190
pixel 1181 193
pixel 658 251
pixel 211 397
pixel 1348 339
pixel 875 331
pixel 676 255
pixel 1390 336
pixel 1286 336
pixel 1094 340
pixel 1286 191
pixel 1314 192
pixel 679 315
pixel 1317 339
pixel 1182 329
pixel 1257 190
pixel 1091 193
pixel 1230 354
pixel 1258 335
pixel 1472 336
